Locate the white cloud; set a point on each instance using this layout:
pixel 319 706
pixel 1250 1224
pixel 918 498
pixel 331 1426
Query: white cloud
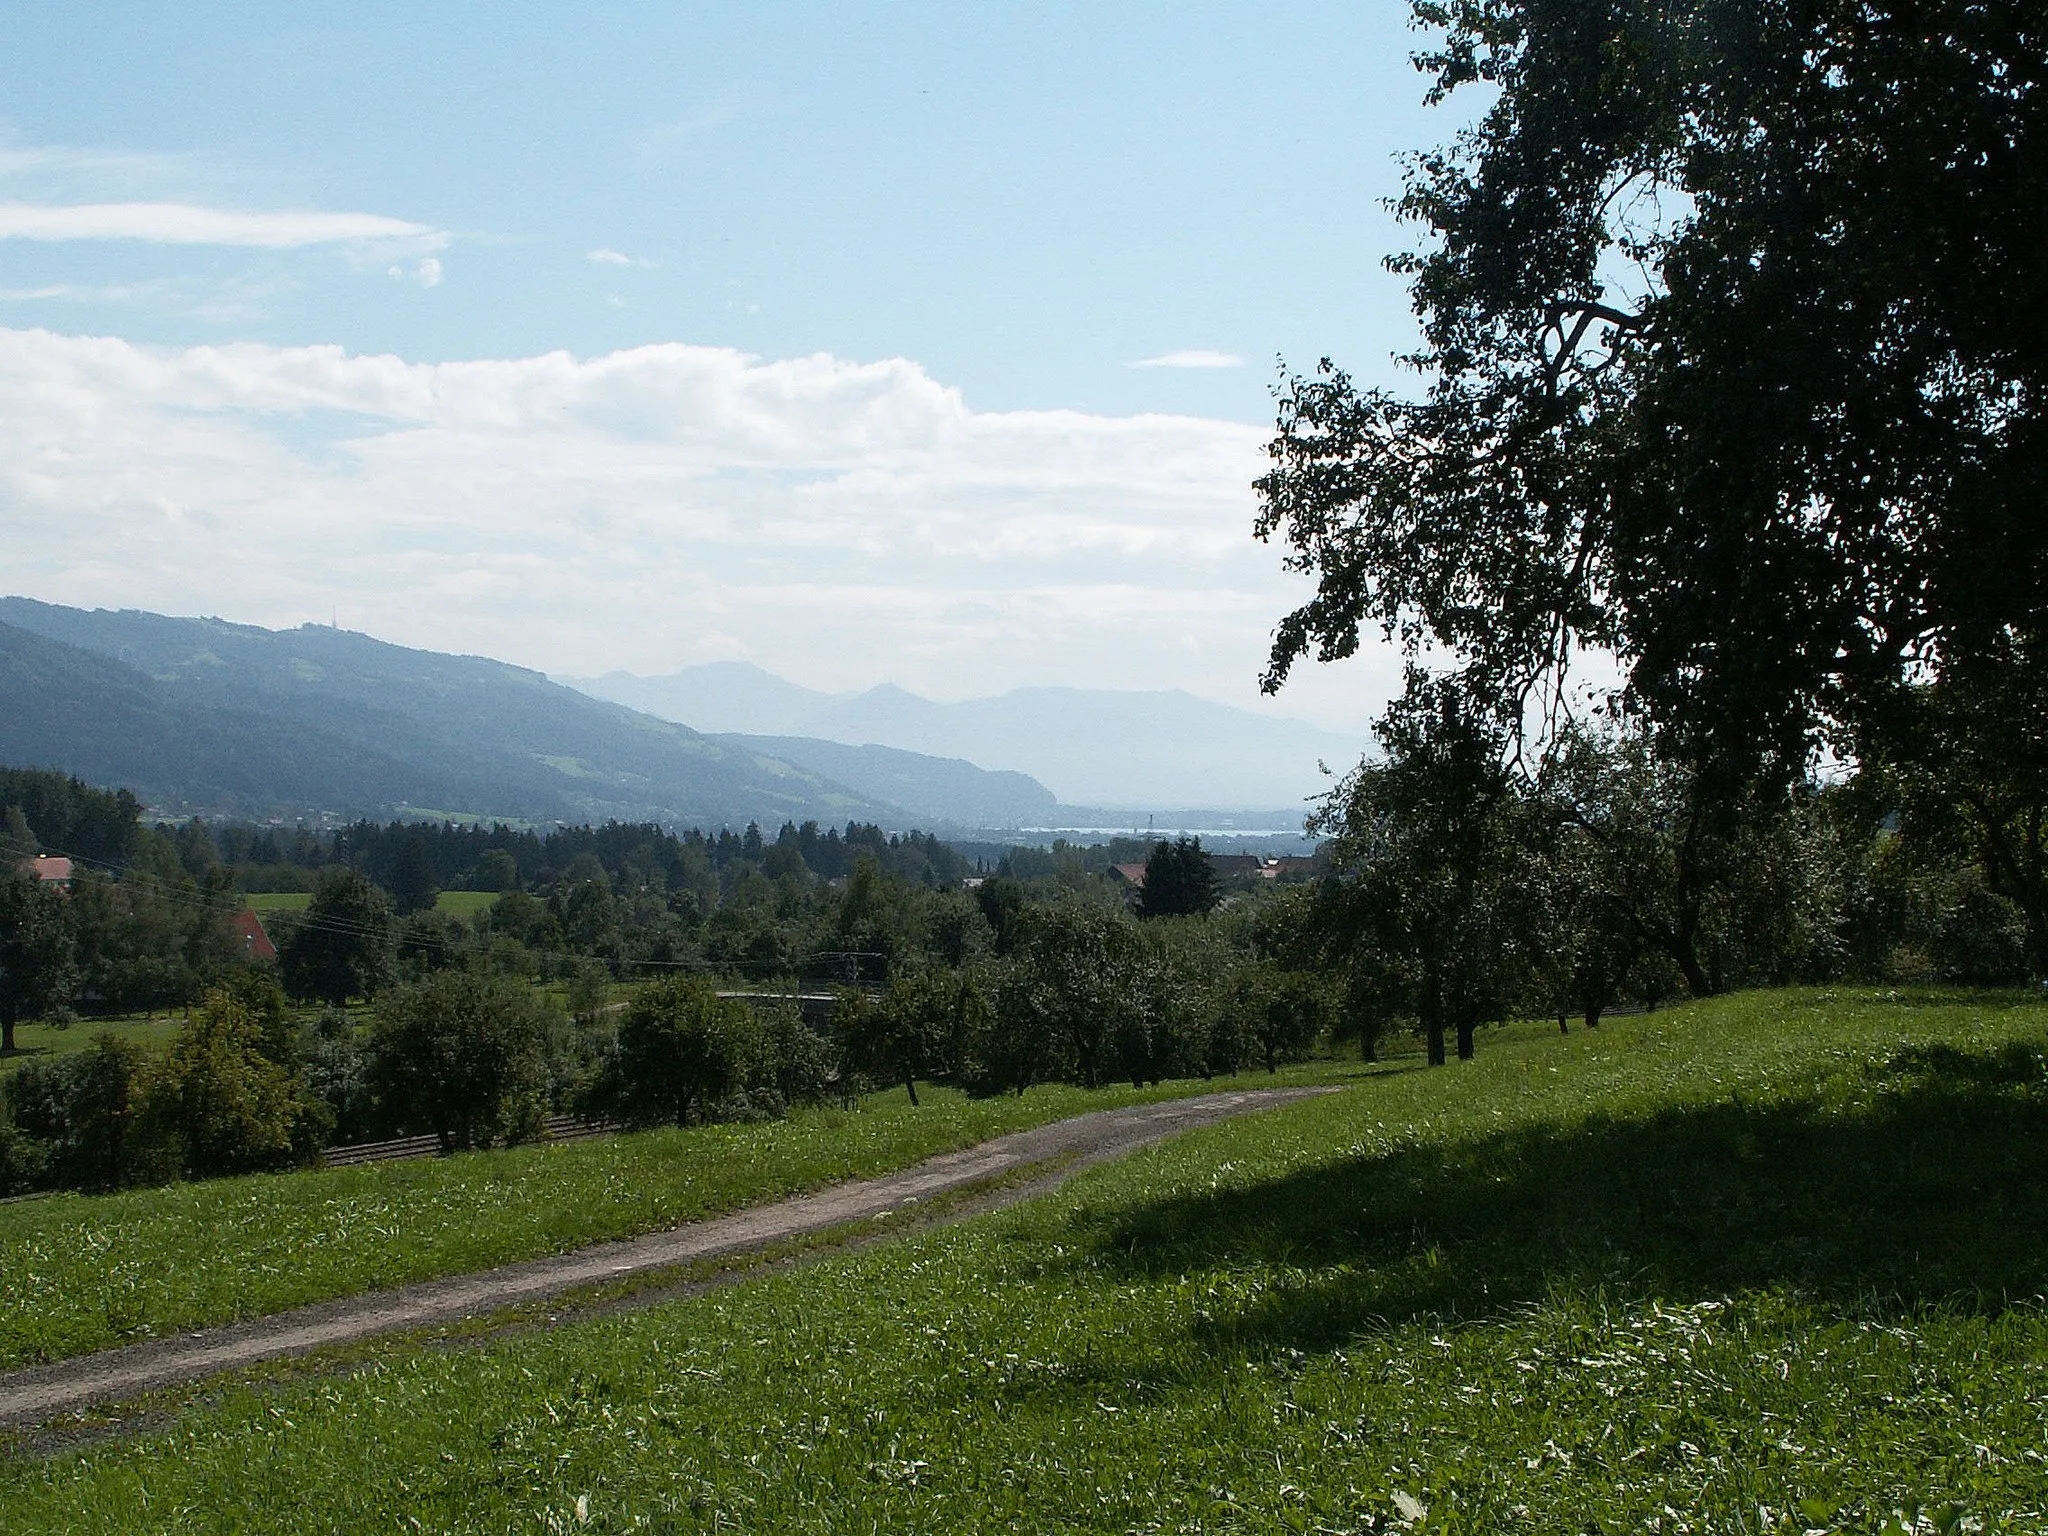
pixel 187 224
pixel 427 272
pixel 1194 357
pixel 605 256
pixel 843 522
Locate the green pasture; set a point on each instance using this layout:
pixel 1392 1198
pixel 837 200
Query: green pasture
pixel 460 903
pixel 278 901
pixel 103 1270
pixel 1773 1263
pixel 153 1030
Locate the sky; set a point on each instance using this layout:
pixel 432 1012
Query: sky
pixel 925 344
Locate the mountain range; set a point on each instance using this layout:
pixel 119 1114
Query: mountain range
pixel 1090 747
pixel 200 716
pixel 203 716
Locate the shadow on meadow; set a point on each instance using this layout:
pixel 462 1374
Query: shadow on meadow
pixel 1934 1190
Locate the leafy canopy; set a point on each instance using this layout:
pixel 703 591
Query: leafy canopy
pixel 1732 358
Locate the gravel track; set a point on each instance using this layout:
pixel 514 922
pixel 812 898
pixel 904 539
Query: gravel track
pixel 39 1393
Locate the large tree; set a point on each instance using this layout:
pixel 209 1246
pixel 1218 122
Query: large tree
pixel 1732 366
pixel 342 948
pixel 38 960
pixel 1180 880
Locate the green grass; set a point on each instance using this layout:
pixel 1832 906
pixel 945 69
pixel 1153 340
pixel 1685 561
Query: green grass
pixel 45 1040
pixel 1769 1264
pixel 278 901
pixel 79 1273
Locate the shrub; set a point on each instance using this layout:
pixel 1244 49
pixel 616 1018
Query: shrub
pixel 464 1055
pixel 219 1104
pixel 683 1055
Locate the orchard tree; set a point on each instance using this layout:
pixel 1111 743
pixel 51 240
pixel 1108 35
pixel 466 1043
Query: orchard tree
pixel 1729 368
pixel 38 963
pixel 681 1051
pixel 904 1034
pixel 464 1055
pixel 1426 862
pixel 342 947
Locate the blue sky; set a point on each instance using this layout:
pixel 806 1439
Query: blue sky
pixel 988 296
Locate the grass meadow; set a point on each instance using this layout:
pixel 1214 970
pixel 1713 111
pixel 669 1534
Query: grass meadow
pixel 1770 1263
pixel 86 1272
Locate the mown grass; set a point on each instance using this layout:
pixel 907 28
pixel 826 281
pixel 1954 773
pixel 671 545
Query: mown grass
pixel 152 1031
pixel 461 903
pixel 79 1273
pixel 1769 1264
pixel 278 901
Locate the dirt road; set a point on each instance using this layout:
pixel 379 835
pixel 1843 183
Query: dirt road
pixel 40 1393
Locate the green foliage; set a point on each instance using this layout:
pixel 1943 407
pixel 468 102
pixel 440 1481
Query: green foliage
pixel 337 1072
pixel 38 952
pixel 464 1055
pixel 684 1055
pixel 906 1033
pixel 1427 866
pixel 1180 880
pixel 220 1103
pixel 1721 377
pixel 1066 992
pixel 55 811
pixel 82 1110
pixel 343 948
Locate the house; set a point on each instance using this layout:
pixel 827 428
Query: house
pixel 48 868
pixel 255 942
pixel 1132 875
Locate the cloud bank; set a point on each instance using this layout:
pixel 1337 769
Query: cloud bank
pixel 187 224
pixel 841 522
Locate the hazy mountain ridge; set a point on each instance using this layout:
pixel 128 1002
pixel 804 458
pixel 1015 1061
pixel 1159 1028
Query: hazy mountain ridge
pixel 1166 749
pixel 965 795
pixel 203 713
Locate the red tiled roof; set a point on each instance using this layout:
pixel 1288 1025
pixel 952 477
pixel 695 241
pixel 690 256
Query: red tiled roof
pixel 50 868
pixel 254 940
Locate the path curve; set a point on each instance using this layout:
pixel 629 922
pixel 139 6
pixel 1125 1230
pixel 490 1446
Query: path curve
pixel 39 1393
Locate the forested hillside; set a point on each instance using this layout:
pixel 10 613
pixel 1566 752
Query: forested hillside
pixel 199 715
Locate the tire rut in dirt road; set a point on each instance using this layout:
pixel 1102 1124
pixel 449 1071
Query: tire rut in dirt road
pixel 39 1393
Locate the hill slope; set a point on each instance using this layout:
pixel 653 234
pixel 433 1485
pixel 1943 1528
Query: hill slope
pixel 200 714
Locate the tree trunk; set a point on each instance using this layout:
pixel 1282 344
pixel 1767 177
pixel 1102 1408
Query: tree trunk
pixel 1562 1027
pixel 7 1035
pixel 1465 1040
pixel 1436 1042
pixel 910 1087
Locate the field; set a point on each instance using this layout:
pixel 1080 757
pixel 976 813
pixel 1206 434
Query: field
pixel 110 1269
pixel 1773 1263
pixel 278 901
pixel 461 903
pixel 34 1040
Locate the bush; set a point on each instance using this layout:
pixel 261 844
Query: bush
pixel 80 1112
pixel 337 1072
pixel 464 1055
pixel 684 1055
pixel 219 1104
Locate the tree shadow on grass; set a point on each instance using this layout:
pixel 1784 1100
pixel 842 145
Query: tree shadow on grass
pixel 1934 1190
